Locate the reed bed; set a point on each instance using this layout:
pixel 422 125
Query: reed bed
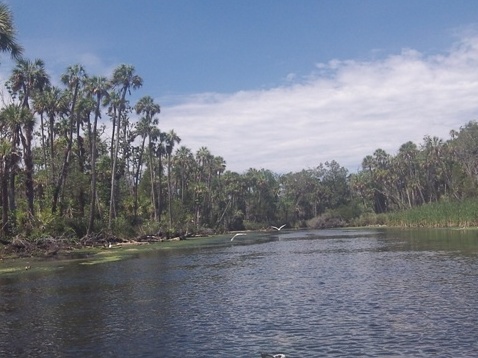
pixel 439 214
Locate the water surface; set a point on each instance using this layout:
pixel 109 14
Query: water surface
pixel 334 293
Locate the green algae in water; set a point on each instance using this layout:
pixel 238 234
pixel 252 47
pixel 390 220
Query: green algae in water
pixel 103 260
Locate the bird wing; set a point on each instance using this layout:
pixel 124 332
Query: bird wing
pixel 238 234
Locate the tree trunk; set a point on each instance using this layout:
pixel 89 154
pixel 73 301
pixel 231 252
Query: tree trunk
pixel 4 188
pixel 136 180
pixel 113 180
pixel 91 222
pixel 62 177
pixel 169 193
pixel 28 160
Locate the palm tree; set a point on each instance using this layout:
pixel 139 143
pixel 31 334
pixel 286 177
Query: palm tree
pixel 184 164
pixel 145 128
pixel 435 167
pixel 28 77
pixel 8 42
pixel 27 121
pixel 97 87
pixel 113 103
pixel 158 149
pixel 11 118
pixel 147 107
pixel 203 159
pixel 171 139
pixel 73 78
pixel 5 154
pixel 124 79
pixel 52 102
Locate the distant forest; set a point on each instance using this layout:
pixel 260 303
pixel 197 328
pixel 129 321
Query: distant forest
pixel 63 174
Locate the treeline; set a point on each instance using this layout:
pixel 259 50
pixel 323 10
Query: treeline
pixel 433 171
pixel 79 158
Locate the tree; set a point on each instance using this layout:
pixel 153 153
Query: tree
pixel 145 128
pixel 184 164
pixel 73 78
pixel 436 164
pixel 171 139
pixel 11 118
pixel 97 87
pixel 8 42
pixel 334 184
pixel 52 101
pixel 463 151
pixel 5 160
pixel 406 172
pixel 124 79
pixel 28 77
pixel 158 151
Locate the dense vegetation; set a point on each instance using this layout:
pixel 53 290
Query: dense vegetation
pixel 80 159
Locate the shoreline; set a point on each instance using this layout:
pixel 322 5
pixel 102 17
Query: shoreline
pixel 37 259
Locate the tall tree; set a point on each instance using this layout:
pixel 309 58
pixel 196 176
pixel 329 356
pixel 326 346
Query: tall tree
pixel 98 88
pixel 145 128
pixel 52 102
pixel 159 152
pixel 73 78
pixel 185 166
pixel 171 139
pixel 124 79
pixel 10 155
pixel 5 159
pixel 27 78
pixel 8 42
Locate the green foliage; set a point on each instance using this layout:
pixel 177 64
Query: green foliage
pixel 57 226
pixel 151 227
pixel 123 228
pixel 143 184
pixel 369 219
pixel 254 225
pixel 438 214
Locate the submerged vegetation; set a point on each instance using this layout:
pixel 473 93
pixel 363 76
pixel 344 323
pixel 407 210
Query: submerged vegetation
pixel 79 161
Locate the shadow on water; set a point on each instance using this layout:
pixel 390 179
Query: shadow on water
pixel 335 293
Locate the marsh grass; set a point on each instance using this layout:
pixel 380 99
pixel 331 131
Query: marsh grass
pixel 439 214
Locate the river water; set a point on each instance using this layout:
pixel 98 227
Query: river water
pixel 329 293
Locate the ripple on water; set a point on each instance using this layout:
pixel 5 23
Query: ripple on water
pixel 335 294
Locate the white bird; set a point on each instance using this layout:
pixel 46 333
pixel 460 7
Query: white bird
pixel 238 234
pixel 278 228
pixel 109 245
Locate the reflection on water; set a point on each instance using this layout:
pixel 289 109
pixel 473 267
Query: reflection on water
pixel 336 293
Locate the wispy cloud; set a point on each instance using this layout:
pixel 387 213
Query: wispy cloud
pixel 343 111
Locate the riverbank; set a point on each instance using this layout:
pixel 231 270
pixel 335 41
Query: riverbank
pixel 46 253
pixel 107 250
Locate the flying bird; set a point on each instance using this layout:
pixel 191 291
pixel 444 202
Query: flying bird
pixel 238 234
pixel 278 228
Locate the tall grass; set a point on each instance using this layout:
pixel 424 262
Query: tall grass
pixel 439 214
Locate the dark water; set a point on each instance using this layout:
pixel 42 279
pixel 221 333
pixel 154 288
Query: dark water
pixel 337 293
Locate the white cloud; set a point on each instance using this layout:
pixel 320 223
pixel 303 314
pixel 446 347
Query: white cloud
pixel 343 111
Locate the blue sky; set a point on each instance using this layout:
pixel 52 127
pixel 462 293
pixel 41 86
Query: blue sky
pixel 276 84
